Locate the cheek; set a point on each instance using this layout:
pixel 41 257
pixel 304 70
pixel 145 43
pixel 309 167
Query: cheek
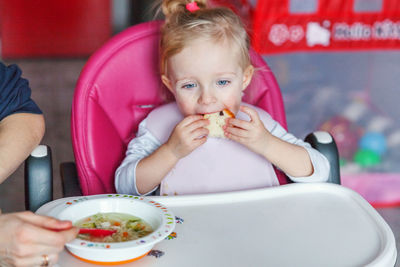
pixel 185 104
pixel 233 101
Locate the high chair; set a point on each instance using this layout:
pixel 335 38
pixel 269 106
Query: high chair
pixel 119 85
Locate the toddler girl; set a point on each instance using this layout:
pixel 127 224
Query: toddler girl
pixel 205 63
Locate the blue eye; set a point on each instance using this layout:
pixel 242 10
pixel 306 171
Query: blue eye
pixel 223 82
pixel 189 86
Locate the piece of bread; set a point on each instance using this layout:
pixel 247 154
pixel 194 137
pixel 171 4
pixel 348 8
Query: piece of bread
pixel 217 120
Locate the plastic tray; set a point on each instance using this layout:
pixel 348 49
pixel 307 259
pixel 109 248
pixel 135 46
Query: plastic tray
pixel 291 225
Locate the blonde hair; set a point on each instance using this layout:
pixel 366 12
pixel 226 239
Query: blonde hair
pixel 182 26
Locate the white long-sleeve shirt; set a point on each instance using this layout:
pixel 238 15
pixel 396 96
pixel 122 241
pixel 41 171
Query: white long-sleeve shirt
pixel 145 143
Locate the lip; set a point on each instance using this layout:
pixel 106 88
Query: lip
pixel 204 113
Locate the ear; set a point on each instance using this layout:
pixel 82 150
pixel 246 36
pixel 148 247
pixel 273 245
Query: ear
pixel 247 76
pixel 167 83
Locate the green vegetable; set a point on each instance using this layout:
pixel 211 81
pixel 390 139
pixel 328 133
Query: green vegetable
pixel 89 225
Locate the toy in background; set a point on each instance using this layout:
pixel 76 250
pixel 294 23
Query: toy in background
pixel 324 93
pixel 372 145
pixel 366 131
pixel 345 133
pixel 383 138
pixel 366 141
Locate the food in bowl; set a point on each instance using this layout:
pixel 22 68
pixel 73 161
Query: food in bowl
pixel 159 217
pixel 127 227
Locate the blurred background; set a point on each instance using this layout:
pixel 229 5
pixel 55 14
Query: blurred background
pixel 51 42
pixel 348 86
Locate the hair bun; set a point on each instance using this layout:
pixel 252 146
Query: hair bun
pixel 176 6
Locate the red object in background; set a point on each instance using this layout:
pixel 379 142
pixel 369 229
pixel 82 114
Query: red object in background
pixel 335 25
pixel 48 28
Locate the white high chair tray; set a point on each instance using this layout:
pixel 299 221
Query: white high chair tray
pixel 291 225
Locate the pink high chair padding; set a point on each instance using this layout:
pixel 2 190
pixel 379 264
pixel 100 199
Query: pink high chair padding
pixel 119 85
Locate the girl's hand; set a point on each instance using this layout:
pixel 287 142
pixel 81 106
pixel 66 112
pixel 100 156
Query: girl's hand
pixel 188 135
pixel 26 237
pixel 251 134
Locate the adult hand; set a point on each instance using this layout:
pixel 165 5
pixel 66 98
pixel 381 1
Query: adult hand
pixel 189 134
pixel 28 239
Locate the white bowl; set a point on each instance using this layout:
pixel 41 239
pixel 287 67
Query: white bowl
pixel 159 217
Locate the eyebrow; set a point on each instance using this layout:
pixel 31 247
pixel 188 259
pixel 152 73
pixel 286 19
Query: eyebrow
pixel 184 79
pixel 231 73
pixel 217 74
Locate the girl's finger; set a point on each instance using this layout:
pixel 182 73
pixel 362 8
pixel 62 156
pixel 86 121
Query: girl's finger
pixel 189 119
pixel 238 123
pixel 197 124
pixel 251 112
pixel 199 141
pixel 236 138
pixel 237 131
pixel 199 133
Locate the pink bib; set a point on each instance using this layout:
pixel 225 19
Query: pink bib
pixel 218 165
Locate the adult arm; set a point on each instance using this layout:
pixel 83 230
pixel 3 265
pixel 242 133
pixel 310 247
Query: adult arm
pixel 20 133
pixel 21 122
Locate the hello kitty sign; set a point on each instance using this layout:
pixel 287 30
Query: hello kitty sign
pixel 326 25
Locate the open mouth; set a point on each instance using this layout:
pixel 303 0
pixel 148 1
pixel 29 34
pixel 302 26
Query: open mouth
pixel 221 113
pixel 224 112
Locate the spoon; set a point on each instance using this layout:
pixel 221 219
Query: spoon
pixel 96 232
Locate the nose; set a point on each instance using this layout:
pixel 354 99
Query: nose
pixel 207 97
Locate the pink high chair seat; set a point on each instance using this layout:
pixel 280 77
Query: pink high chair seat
pixel 119 85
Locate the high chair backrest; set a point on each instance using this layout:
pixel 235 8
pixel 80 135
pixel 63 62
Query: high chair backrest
pixel 119 85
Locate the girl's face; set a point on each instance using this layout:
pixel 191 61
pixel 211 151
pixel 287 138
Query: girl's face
pixel 206 77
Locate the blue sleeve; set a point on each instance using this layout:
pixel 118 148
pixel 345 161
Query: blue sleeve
pixel 15 94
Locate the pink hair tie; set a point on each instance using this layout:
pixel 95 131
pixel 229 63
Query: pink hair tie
pixel 192 6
